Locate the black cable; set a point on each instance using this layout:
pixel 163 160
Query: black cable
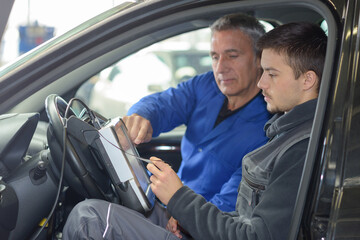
pixel 124 151
pixel 60 184
pixel 70 103
pixel 92 115
pixel 62 165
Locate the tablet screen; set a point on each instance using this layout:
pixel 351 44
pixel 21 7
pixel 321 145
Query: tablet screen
pixel 124 166
pixel 132 156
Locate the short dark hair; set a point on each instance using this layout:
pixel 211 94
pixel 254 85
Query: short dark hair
pixel 303 43
pixel 248 25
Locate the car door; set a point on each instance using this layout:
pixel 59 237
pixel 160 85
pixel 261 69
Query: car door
pixel 330 191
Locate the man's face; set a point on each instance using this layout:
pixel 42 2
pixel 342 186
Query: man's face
pixel 281 90
pixel 235 66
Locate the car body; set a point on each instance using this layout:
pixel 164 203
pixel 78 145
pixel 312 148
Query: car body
pixel 328 198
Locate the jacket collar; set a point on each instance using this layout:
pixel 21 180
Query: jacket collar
pixel 281 122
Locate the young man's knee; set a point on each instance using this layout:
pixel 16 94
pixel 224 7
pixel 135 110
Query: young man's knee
pixel 86 210
pixel 87 218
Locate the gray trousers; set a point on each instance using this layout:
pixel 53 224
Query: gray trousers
pixel 98 219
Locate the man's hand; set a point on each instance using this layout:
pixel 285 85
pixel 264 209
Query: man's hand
pixel 139 128
pixel 164 181
pixel 172 226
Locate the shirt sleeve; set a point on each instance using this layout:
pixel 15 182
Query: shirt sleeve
pixel 224 200
pixel 170 108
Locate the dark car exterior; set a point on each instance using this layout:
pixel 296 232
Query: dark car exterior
pixel 329 193
pixel 328 198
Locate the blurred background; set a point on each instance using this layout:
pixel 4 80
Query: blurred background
pixel 31 22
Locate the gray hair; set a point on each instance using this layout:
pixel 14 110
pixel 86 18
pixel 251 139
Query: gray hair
pixel 248 25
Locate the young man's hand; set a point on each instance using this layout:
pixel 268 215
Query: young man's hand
pixel 164 181
pixel 139 128
pixel 172 226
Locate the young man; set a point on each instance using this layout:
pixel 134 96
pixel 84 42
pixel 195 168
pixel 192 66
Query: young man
pixel 292 59
pixel 223 111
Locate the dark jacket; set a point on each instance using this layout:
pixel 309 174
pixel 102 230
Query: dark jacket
pixel 266 197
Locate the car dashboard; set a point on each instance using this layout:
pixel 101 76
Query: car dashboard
pixel 25 172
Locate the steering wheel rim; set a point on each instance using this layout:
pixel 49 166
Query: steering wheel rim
pixel 76 174
pixel 53 104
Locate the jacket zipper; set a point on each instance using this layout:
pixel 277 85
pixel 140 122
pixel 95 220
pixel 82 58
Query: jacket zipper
pixel 256 187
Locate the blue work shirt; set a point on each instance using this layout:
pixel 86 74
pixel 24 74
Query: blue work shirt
pixel 211 157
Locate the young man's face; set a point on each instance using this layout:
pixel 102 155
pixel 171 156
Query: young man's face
pixel 235 66
pixel 281 90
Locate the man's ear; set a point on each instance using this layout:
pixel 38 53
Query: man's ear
pixel 311 80
pixel 259 70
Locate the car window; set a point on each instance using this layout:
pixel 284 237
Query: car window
pixel 155 68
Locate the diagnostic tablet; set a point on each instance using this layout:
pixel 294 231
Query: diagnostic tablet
pixel 125 168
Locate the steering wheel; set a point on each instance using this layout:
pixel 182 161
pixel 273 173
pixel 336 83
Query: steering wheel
pixel 82 172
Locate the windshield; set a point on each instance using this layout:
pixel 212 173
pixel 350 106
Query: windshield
pixel 35 22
